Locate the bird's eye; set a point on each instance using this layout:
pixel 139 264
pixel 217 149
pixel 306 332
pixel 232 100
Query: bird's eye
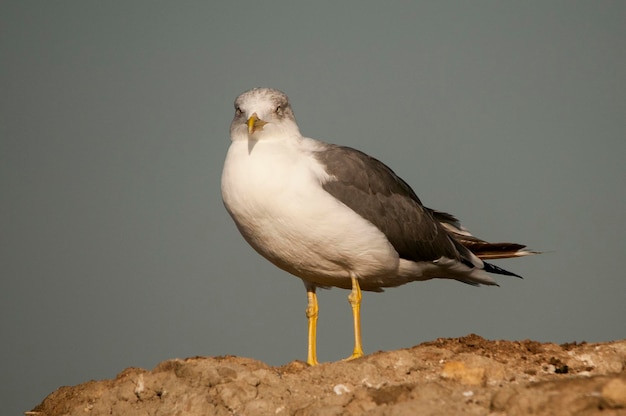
pixel 238 111
pixel 279 110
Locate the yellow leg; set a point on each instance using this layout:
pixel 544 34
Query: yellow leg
pixel 355 301
pixel 311 314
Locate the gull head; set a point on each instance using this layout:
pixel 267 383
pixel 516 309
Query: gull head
pixel 263 114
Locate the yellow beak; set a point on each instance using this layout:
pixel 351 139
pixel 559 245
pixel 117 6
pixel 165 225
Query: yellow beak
pixel 255 123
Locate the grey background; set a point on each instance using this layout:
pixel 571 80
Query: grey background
pixel 116 250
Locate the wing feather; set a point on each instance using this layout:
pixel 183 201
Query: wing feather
pixel 375 192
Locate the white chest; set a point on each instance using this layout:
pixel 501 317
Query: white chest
pixel 274 194
pixel 270 182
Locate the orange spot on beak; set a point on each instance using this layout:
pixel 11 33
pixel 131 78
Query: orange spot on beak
pixel 255 123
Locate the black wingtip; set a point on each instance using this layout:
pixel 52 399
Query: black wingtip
pixel 490 268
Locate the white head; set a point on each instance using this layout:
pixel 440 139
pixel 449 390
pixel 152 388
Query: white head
pixel 262 114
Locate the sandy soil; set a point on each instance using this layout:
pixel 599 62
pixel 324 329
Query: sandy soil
pixel 468 375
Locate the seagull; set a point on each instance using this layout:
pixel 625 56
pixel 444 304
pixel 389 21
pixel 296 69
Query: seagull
pixel 335 217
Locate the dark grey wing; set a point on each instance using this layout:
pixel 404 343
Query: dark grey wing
pixel 375 192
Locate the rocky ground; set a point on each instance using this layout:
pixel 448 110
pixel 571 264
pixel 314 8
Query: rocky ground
pixel 468 375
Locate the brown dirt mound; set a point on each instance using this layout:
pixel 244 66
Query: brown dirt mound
pixel 469 375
